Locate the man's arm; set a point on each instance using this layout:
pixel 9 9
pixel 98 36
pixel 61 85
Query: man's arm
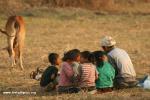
pixel 113 63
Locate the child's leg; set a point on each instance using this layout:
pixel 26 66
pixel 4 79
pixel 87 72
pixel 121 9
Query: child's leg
pixel 104 90
pixel 48 88
pixel 74 90
pixel 91 90
pixel 62 89
pixel 68 89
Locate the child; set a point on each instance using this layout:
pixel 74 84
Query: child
pixel 75 56
pixel 88 72
pixel 69 72
pixel 49 78
pixel 104 83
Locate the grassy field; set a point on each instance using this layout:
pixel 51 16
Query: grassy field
pixel 58 30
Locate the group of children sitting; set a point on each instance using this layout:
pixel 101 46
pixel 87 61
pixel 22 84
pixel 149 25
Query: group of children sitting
pixel 79 71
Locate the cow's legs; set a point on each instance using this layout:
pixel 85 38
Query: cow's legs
pixel 6 48
pixel 20 59
pixel 11 51
pixel 20 56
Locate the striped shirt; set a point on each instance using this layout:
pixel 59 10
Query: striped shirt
pixel 88 75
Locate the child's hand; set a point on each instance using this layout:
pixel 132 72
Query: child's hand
pixel 58 73
pixel 104 58
pixel 56 87
pixel 53 76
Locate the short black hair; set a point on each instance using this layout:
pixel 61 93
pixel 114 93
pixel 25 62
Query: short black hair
pixel 71 54
pixel 97 55
pixel 109 47
pixel 52 57
pixel 88 55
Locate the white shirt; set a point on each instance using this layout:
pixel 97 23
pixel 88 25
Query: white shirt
pixel 123 63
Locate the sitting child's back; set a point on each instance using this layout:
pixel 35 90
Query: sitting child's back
pixel 106 76
pixel 49 75
pixel 49 78
pixel 88 72
pixel 88 75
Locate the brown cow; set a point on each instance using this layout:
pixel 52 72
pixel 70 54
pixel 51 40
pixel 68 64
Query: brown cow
pixel 15 32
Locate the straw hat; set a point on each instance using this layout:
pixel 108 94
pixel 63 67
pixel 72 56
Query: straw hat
pixel 108 41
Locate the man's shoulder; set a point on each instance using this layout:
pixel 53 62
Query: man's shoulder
pixel 116 51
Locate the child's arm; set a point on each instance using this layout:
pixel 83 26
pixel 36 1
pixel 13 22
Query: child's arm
pixel 53 76
pixel 96 73
pixel 80 70
pixel 75 67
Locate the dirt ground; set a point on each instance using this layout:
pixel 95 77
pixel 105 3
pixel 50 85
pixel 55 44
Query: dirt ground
pixel 58 30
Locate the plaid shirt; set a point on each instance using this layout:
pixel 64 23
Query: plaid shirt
pixel 66 74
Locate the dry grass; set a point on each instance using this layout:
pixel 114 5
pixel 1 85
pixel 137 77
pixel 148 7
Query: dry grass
pixel 109 6
pixel 58 30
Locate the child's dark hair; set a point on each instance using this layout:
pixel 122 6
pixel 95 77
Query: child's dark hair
pixel 52 57
pixel 97 55
pixel 71 55
pixel 88 55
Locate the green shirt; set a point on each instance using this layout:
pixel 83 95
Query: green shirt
pixel 106 75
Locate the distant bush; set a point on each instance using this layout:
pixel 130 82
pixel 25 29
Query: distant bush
pixel 107 5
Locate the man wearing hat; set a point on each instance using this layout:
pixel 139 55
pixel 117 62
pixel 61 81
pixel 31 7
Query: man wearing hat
pixel 125 73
